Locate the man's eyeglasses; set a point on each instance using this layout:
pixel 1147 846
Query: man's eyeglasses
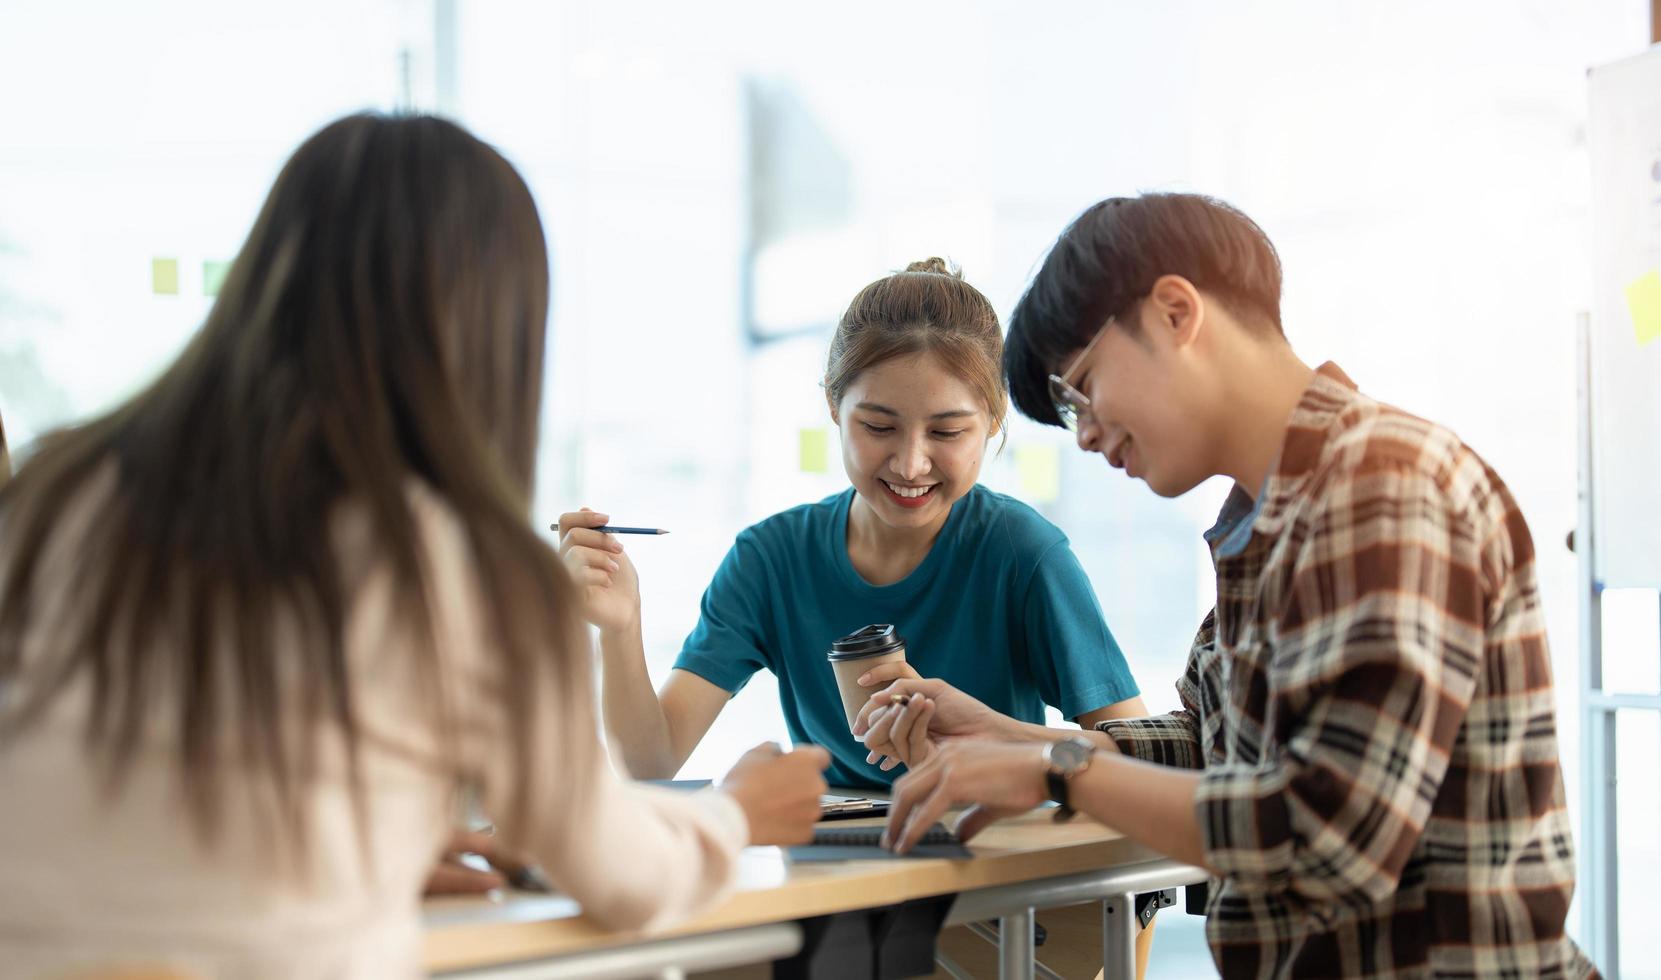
pixel 1068 401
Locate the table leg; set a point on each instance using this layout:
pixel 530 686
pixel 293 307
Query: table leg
pixel 1119 937
pixel 1015 947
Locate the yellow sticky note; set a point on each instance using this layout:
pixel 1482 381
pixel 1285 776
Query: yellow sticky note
pixel 1039 468
pixel 213 276
pixel 1643 300
pixel 815 450
pixel 164 277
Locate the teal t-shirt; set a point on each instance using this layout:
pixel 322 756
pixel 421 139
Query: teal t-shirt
pixel 1000 608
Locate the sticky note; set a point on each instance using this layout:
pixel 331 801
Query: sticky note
pixel 213 276
pixel 1643 301
pixel 815 450
pixel 1039 468
pixel 164 277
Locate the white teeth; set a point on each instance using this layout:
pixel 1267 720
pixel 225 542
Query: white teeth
pixel 907 492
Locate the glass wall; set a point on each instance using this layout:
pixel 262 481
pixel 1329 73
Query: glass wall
pixel 718 180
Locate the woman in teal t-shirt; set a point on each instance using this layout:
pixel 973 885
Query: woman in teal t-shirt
pixel 986 593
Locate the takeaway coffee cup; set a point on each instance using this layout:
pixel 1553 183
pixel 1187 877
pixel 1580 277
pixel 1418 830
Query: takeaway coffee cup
pixel 857 653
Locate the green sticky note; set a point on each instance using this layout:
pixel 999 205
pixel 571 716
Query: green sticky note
pixel 164 277
pixel 1643 300
pixel 213 276
pixel 815 449
pixel 1039 468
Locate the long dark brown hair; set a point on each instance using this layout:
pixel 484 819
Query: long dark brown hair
pixel 382 326
pixel 5 456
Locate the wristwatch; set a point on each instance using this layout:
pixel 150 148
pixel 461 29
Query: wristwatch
pixel 1065 759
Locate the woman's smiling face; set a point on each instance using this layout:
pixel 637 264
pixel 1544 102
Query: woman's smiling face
pixel 913 438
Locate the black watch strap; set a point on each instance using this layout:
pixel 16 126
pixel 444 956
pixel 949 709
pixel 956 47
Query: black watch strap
pixel 1058 792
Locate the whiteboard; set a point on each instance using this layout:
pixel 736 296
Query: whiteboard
pixel 1625 139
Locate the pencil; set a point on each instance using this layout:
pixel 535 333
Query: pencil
pixel 608 529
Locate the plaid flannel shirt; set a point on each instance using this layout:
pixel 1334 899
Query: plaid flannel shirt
pixel 1370 704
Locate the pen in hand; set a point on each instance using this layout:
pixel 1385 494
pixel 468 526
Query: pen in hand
pixel 527 877
pixel 524 876
pixel 472 865
pixel 608 529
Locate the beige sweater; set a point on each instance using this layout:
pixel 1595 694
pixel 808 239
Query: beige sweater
pixel 89 881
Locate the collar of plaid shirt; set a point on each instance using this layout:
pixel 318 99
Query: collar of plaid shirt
pixel 1242 514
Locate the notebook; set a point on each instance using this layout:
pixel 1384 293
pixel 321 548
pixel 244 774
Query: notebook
pixel 830 807
pixel 850 807
pixel 864 844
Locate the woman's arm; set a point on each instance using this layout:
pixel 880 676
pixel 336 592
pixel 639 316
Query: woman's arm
pixel 654 732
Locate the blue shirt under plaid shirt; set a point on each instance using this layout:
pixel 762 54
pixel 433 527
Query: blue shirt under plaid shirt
pixel 1370 704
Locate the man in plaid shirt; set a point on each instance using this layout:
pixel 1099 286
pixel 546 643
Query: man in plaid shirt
pixel 1366 759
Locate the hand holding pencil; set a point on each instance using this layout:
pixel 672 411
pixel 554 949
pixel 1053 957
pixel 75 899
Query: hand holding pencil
pixel 601 569
pixel 472 863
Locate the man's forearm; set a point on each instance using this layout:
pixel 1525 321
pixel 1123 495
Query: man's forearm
pixel 634 716
pixel 1021 731
pixel 1149 803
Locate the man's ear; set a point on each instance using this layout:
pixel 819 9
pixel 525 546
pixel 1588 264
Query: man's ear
pixel 1176 309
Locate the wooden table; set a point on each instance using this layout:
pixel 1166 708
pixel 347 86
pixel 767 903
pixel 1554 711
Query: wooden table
pixel 1020 864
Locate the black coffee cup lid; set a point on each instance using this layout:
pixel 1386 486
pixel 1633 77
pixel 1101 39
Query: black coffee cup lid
pixel 867 642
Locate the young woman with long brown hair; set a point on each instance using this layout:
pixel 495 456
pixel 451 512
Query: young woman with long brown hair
pixel 263 623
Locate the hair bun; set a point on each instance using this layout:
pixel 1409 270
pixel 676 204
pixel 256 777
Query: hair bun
pixel 935 263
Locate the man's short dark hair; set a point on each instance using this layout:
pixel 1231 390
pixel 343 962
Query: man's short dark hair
pixel 1110 257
